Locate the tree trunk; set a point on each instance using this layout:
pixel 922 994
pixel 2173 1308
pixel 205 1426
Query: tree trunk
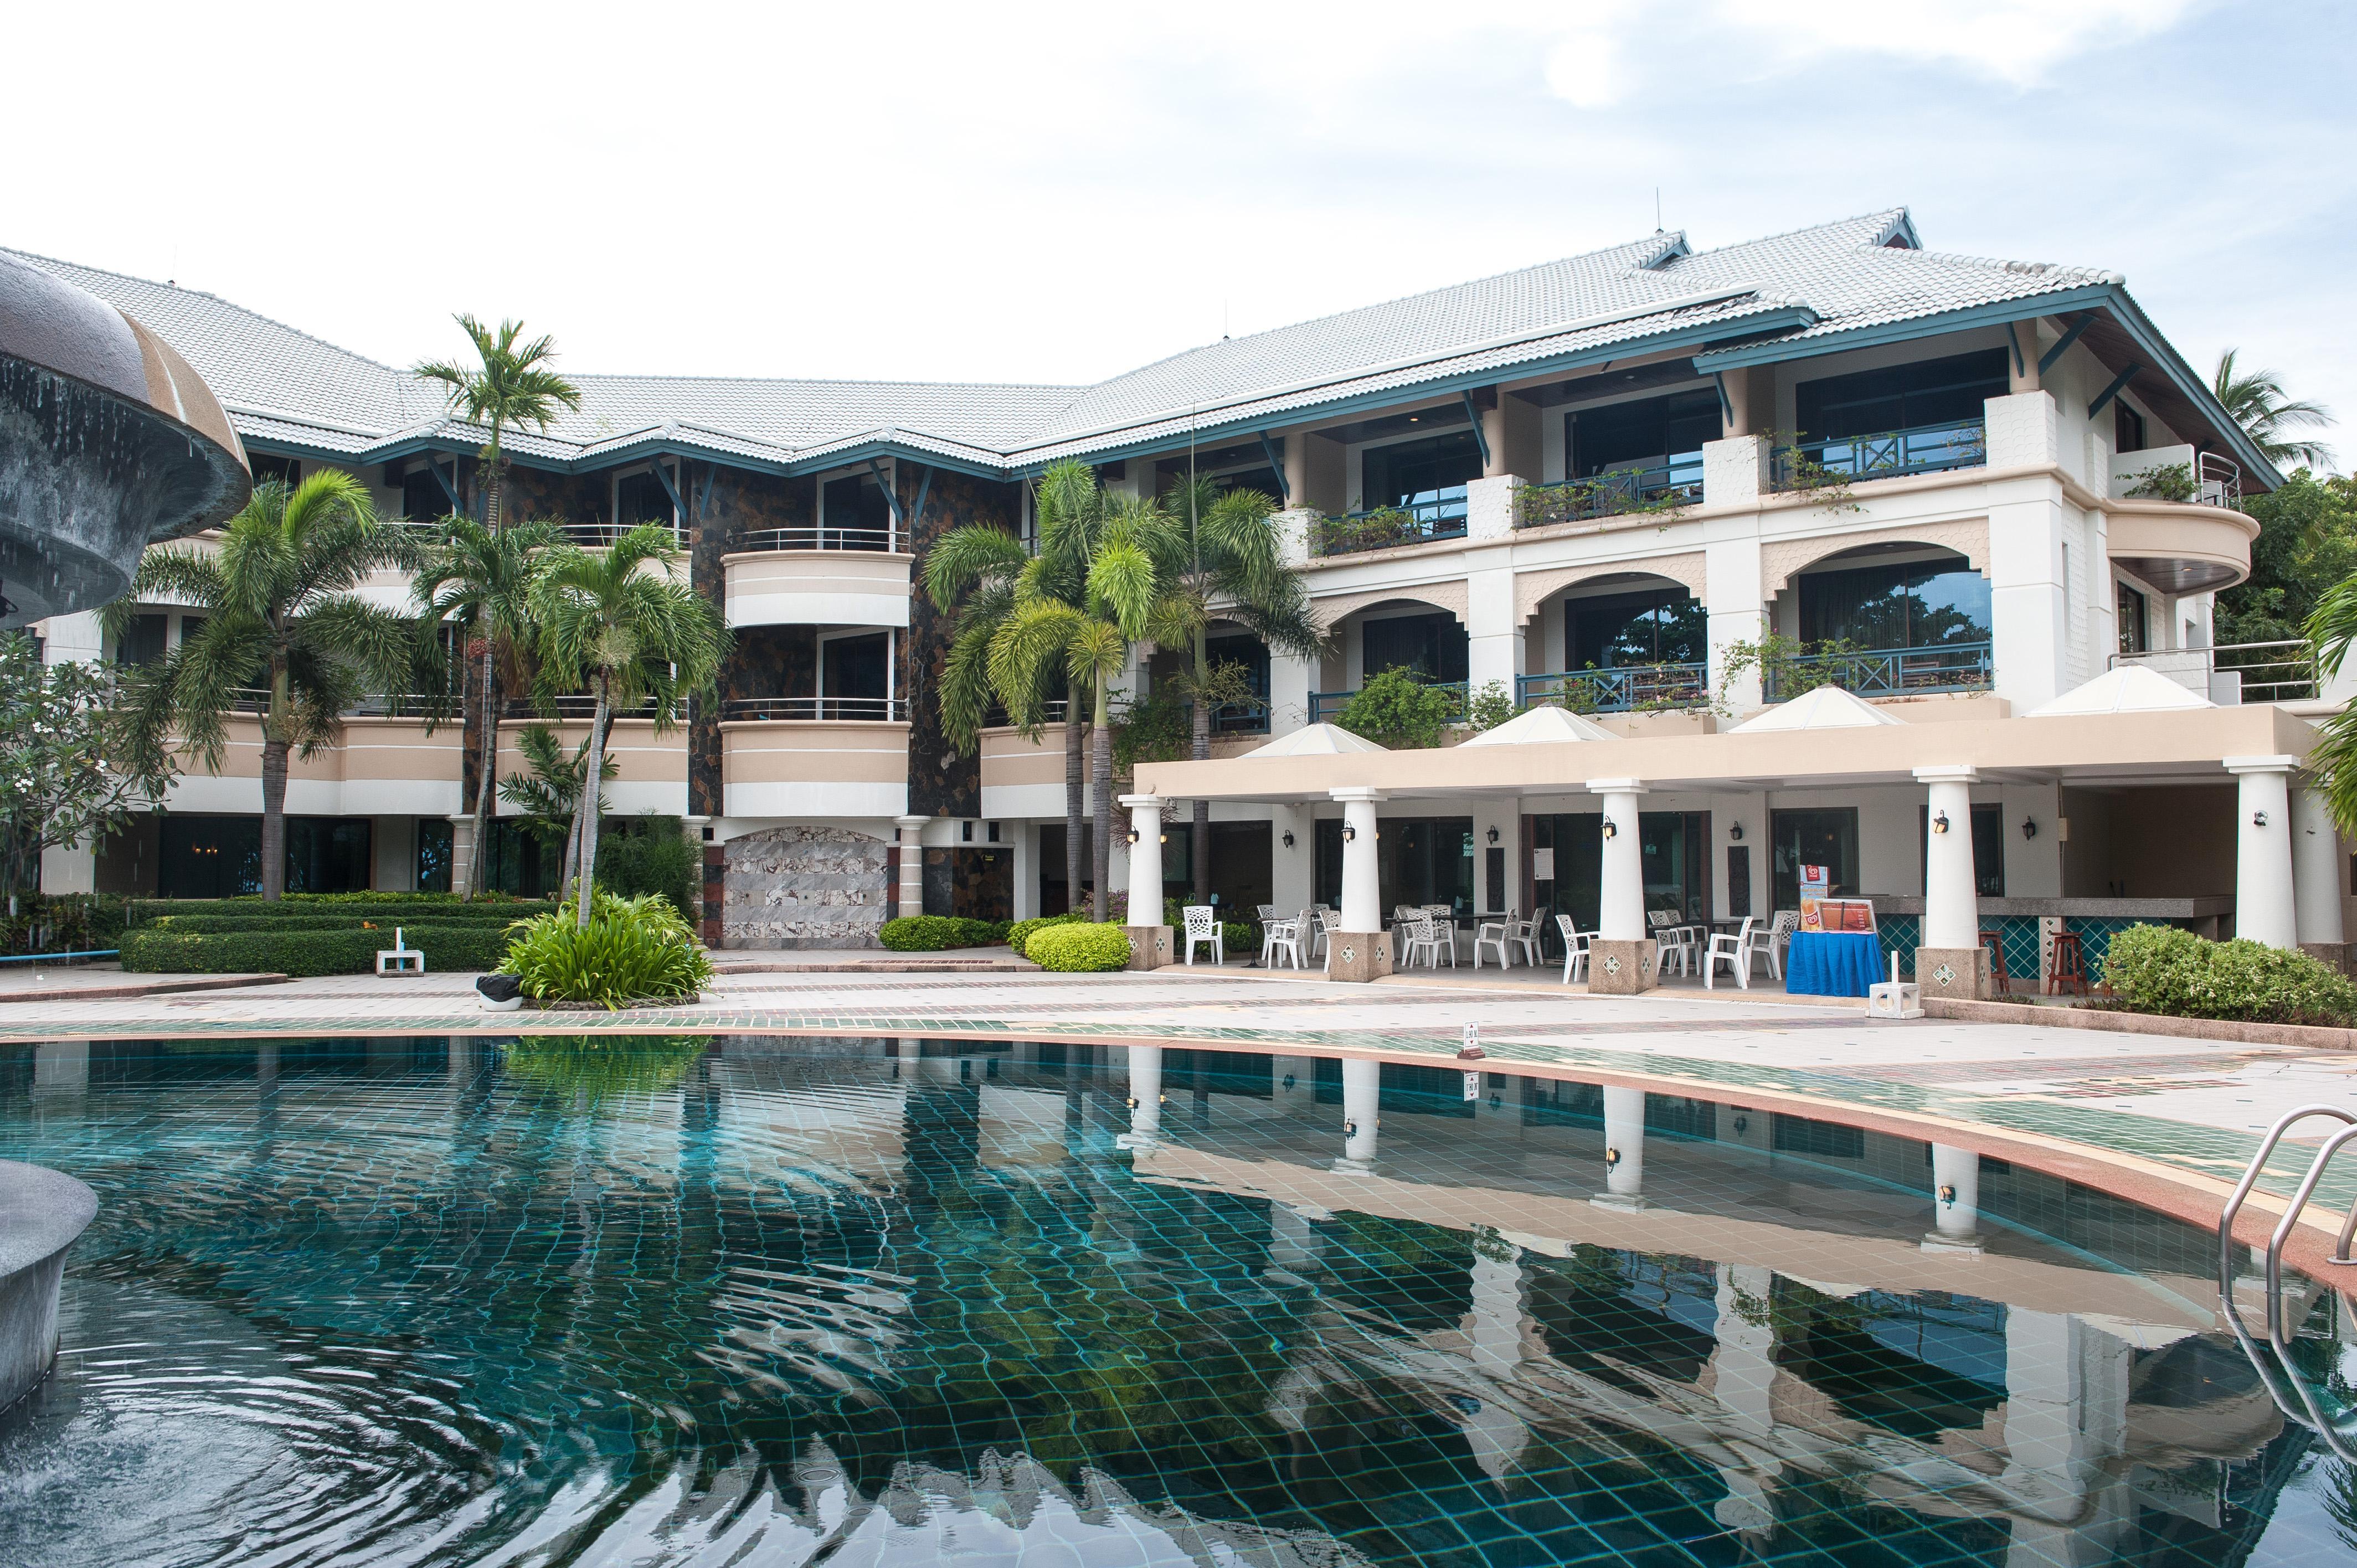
pixel 479 856
pixel 1076 775
pixel 1100 785
pixel 590 791
pixel 572 851
pixel 1198 838
pixel 274 817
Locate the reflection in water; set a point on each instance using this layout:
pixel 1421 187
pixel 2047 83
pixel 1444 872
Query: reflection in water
pixel 794 1301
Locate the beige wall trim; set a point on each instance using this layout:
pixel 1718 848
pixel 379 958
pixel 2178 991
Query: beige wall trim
pixel 1781 559
pixel 1449 595
pixel 1532 589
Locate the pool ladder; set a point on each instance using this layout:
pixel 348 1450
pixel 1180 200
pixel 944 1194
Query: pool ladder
pixel 2302 1408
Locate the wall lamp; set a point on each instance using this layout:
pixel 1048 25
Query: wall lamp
pixel 1611 1158
pixel 1948 1195
pixel 1494 835
pixel 1349 833
pixel 1133 836
pixel 2029 828
pixel 1612 828
pixel 1288 841
pixel 1735 832
pixel 1939 824
pixel 2258 819
pixel 1349 1129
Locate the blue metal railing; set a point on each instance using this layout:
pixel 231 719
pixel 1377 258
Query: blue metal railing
pixel 1435 514
pixel 1676 480
pixel 1324 705
pixel 1240 718
pixel 1888 671
pixel 1923 449
pixel 1616 690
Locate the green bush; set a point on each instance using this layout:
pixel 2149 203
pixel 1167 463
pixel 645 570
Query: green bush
pixel 633 949
pixel 364 906
pixel 1236 937
pixel 462 915
pixel 931 933
pixel 447 948
pixel 1020 933
pixel 62 922
pixel 2164 969
pixel 650 854
pixel 1078 947
pixel 1395 708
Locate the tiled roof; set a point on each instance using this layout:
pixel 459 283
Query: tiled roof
pixel 283 385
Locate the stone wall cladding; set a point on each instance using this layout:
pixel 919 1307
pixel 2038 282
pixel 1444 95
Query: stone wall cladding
pixel 941 782
pixel 739 502
pixel 803 887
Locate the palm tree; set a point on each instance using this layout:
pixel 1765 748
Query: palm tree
pixel 550 795
pixel 509 388
pixel 625 623
pixel 2259 405
pixel 479 580
pixel 1232 558
pixel 283 615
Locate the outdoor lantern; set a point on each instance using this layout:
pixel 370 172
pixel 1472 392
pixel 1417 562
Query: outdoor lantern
pixel 1349 833
pixel 1611 1158
pixel 1494 835
pixel 2258 819
pixel 1165 838
pixel 1133 836
pixel 1349 1129
pixel 1611 829
pixel 2029 828
pixel 1948 1194
pixel 1735 832
pixel 1289 1081
pixel 1288 841
pixel 1939 824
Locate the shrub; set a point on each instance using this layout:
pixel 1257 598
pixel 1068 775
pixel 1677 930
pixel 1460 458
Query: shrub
pixel 62 922
pixel 633 950
pixel 651 853
pixel 1020 933
pixel 1490 707
pixel 2164 969
pixel 383 919
pixel 308 952
pixel 1078 947
pixel 1396 708
pixel 919 933
pixel 406 905
pixel 1236 936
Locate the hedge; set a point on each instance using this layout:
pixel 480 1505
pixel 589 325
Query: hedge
pixel 931 933
pixel 446 949
pixel 1078 947
pixel 486 916
pixel 365 906
pixel 1021 931
pixel 2171 972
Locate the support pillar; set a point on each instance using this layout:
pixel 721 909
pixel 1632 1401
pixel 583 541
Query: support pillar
pixel 462 854
pixel 1145 1098
pixel 1742 1375
pixel 1624 1149
pixel 1360 948
pixel 1362 1099
pixel 1149 938
pixel 2316 878
pixel 1621 960
pixel 912 865
pixel 1951 961
pixel 1955 1201
pixel 2264 908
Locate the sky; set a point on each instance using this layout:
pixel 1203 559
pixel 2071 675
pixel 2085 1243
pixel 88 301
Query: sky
pixel 1058 193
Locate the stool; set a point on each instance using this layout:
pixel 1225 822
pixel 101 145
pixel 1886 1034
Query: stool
pixel 2070 970
pixel 2000 982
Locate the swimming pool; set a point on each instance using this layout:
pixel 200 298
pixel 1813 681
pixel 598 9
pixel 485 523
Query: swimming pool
pixel 785 1301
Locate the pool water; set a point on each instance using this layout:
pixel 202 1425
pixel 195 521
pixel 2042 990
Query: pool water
pixel 785 1301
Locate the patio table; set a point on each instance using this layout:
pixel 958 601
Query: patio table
pixel 1833 964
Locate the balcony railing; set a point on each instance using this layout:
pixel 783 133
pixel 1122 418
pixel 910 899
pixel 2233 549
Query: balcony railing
pixel 1616 690
pixel 1658 486
pixel 573 705
pixel 255 699
pixel 767 538
pixel 1924 449
pixel 1324 705
pixel 2236 673
pixel 1240 718
pixel 1380 528
pixel 605 535
pixel 872 710
pixel 1886 672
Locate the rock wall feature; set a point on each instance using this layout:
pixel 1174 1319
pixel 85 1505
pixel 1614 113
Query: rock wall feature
pixel 803 887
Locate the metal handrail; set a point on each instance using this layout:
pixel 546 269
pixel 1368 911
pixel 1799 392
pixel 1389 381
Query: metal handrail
pixel 883 710
pixel 1444 517
pixel 1896 672
pixel 2301 669
pixel 1613 493
pixel 1323 703
pixel 1617 690
pixel 2284 1227
pixel 572 706
pixel 605 535
pixel 812 537
pixel 2251 1175
pixel 1888 453
pixel 2314 1419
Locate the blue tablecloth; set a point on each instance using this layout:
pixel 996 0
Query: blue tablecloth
pixel 1833 964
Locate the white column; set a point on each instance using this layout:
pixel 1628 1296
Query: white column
pixel 1145 1092
pixel 1293 867
pixel 1493 1338
pixel 2316 868
pixel 2264 908
pixel 1622 917
pixel 1624 1148
pixel 1955 1199
pixel 1743 1372
pixel 1361 1094
pixel 912 865
pixel 1952 917
pixel 1363 896
pixel 1145 859
pixel 1493 631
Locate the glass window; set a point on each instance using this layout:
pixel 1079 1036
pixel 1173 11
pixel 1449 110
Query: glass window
pixel 141 641
pixel 1431 645
pixel 1418 860
pixel 1919 604
pixel 288 471
pixel 854 668
pixel 1825 837
pixel 1670 850
pixel 433 855
pixel 1902 397
pixel 640 498
pixel 1648 434
pixel 1988 846
pixel 855 513
pixel 423 498
pixel 1666 626
pixel 2134 635
pixel 1431 473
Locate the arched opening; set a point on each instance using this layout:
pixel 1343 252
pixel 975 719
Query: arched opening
pixel 1885 619
pixel 1423 639
pixel 1227 644
pixel 1629 640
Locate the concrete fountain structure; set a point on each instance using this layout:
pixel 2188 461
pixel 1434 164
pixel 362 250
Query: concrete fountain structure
pixel 108 442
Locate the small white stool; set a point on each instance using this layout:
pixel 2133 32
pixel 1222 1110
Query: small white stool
pixel 1894 998
pixel 400 958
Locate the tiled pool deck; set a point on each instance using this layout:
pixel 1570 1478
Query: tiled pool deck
pixel 2185 1113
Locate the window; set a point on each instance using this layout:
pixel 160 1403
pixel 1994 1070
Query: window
pixel 855 675
pixel 288 471
pixel 1824 1140
pixel 1427 475
pixel 1649 433
pixel 640 498
pixel 1666 626
pixel 2127 427
pixel 2134 638
pixel 1825 837
pixel 1902 397
pixel 1988 846
pixel 433 855
pixel 854 514
pixel 141 641
pixel 423 498
pixel 1418 860
pixel 1919 604
pixel 1431 645
pixel 1250 653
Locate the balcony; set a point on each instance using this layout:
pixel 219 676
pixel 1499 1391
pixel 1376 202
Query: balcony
pixel 1325 705
pixel 1886 672
pixel 808 576
pixel 2237 674
pixel 791 758
pixel 1637 688
pixel 1438 514
pixel 382 766
pixel 1890 454
pixel 1648 489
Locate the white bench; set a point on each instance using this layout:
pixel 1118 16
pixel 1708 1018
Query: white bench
pixel 400 958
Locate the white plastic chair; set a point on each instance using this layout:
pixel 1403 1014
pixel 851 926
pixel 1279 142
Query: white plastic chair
pixel 1204 926
pixel 1281 936
pixel 1778 940
pixel 1675 941
pixel 1328 922
pixel 1416 936
pixel 1444 927
pixel 1733 949
pixel 1575 949
pixel 1496 934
